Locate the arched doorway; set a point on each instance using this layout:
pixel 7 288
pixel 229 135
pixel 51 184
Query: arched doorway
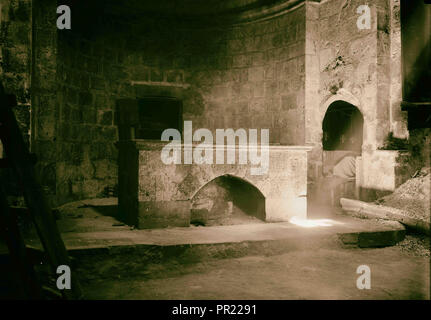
pixel 342 142
pixel 343 128
pixel 227 200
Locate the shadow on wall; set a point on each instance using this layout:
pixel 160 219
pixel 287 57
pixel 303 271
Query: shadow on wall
pixel 227 200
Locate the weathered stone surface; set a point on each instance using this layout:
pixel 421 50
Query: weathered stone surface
pixel 284 186
pixel 380 170
pixel 162 214
pixel 373 211
pixel 373 239
pixel 278 73
pixel 15 58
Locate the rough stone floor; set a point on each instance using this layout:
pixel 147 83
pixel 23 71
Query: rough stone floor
pixel 317 274
pixel 255 261
pixel 87 225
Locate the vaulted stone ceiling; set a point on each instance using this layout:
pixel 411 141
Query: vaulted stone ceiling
pixel 203 11
pixel 191 7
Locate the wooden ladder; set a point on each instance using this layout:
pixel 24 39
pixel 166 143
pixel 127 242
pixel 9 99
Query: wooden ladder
pixel 18 158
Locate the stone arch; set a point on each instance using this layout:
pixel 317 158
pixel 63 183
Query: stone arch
pixel 342 95
pixel 343 127
pixel 225 197
pixel 215 176
pixel 343 133
pixel 345 96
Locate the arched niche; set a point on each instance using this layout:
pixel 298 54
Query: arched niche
pixel 227 199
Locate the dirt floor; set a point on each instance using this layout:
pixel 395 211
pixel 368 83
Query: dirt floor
pixel 399 272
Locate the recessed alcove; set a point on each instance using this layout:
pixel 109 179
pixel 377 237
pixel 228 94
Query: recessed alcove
pixel 227 200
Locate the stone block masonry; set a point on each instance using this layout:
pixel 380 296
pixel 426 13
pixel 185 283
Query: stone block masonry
pixel 275 69
pixel 155 195
pixel 361 67
pixel 228 76
pixel 15 69
pixel 15 56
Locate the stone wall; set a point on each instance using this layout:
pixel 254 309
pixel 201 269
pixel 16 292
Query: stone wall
pixel 44 94
pixel 86 162
pixel 381 170
pixel 254 78
pixel 279 67
pixel 361 67
pixel 235 75
pixel 99 61
pixel 28 68
pixel 15 56
pixel 348 61
pixel 15 67
pixel 398 117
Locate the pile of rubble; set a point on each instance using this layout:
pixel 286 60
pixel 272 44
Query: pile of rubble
pixel 413 197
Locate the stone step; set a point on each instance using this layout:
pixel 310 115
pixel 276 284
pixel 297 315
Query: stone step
pixel 123 253
pixel 140 252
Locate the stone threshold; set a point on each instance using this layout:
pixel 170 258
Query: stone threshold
pixel 335 231
pixel 124 252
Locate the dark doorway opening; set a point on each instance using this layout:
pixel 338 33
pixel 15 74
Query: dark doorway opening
pixel 343 127
pixel 157 114
pixel 342 143
pixel 148 117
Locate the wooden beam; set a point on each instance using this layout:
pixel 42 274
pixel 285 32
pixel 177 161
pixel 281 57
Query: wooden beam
pixel 17 153
pixel 25 279
pixel 414 105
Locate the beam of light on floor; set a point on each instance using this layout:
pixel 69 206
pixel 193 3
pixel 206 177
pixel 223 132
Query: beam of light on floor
pixel 311 223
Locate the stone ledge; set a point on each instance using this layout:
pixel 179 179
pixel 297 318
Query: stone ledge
pixel 147 144
pixel 374 239
pixel 366 210
pixel 134 251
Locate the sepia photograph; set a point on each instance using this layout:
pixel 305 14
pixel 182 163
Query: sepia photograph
pixel 215 156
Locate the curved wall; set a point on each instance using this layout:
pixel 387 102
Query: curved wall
pixel 244 69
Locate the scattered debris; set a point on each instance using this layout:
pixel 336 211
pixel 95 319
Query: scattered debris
pixel 417 245
pixel 413 197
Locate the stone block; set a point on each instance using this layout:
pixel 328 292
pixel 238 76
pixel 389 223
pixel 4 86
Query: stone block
pixel 85 98
pixel 283 209
pixel 105 169
pixel 271 88
pixel 46 150
pixel 288 102
pixel 97 83
pixel 380 239
pixel 90 188
pixel 163 214
pixel 88 115
pixel 175 76
pixel 165 189
pixel 257 105
pixel 256 74
pixel 105 118
pixel 156 75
